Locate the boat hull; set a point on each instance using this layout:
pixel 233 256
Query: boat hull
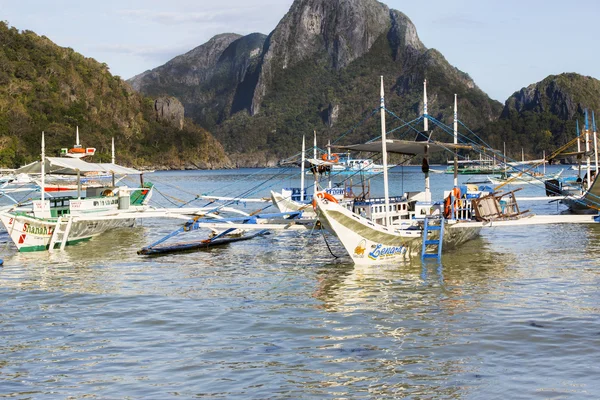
pixel 577 205
pixel 34 234
pixel 284 204
pixel 364 241
pixel 367 242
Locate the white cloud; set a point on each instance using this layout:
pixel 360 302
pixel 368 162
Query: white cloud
pixel 176 18
pixel 150 53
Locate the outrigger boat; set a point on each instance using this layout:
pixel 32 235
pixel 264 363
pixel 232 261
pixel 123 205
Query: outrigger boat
pixel 48 222
pixel 296 199
pixel 523 178
pixel 580 194
pixel 413 223
pixel 78 151
pixel 55 222
pixel 343 163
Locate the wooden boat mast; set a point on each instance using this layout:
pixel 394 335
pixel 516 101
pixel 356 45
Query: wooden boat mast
pixel 426 152
pixel 384 156
pixel 595 141
pixel 113 161
pixel 43 170
pixel 587 150
pixel 329 159
pixel 455 142
pixel 315 186
pixel 578 148
pixel 302 168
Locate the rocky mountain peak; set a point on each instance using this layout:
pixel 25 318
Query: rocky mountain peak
pixel 170 110
pixel 192 68
pixel 563 95
pixel 344 30
pixel 403 38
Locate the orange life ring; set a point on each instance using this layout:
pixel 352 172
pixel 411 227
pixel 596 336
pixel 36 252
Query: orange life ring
pixel 334 158
pixel 323 195
pixel 448 200
pixel 77 150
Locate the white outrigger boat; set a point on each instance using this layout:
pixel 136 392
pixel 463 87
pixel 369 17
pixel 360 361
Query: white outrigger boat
pixel 296 199
pixel 55 222
pixel 523 178
pixel 580 194
pixel 59 221
pixel 397 229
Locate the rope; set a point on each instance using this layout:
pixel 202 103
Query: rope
pixel 166 196
pixel 328 248
pixel 373 112
pixel 323 234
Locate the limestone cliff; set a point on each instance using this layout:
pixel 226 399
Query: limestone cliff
pixel 206 79
pixel 170 110
pixel 338 30
pixel 317 70
pixel 563 95
pixel 192 68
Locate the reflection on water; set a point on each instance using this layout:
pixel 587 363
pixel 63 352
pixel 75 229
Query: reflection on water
pixel 474 266
pixel 513 314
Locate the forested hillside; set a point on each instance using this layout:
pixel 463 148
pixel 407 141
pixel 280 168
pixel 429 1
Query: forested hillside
pixel 44 87
pixel 317 71
pixel 543 116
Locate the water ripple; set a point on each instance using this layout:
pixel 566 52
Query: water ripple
pixel 513 314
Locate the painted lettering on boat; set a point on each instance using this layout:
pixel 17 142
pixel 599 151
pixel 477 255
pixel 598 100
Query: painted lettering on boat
pixel 37 230
pixel 105 202
pixel 381 251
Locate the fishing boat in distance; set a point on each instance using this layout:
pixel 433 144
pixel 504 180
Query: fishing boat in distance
pixel 523 178
pixel 77 151
pixel 581 193
pixel 345 163
pixel 474 167
pixel 297 199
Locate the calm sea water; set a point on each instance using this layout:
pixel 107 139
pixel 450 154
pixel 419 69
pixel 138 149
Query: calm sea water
pixel 514 314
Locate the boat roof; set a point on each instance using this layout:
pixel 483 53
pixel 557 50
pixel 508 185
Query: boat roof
pixel 408 147
pixel 71 166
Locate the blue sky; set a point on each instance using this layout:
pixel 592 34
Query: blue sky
pixel 503 45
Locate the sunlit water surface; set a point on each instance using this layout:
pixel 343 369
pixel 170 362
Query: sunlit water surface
pixel 513 314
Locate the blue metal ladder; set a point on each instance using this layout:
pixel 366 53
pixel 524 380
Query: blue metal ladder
pixel 428 243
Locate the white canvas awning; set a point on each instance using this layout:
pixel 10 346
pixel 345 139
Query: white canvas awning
pixel 73 166
pixel 119 169
pixel 408 147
